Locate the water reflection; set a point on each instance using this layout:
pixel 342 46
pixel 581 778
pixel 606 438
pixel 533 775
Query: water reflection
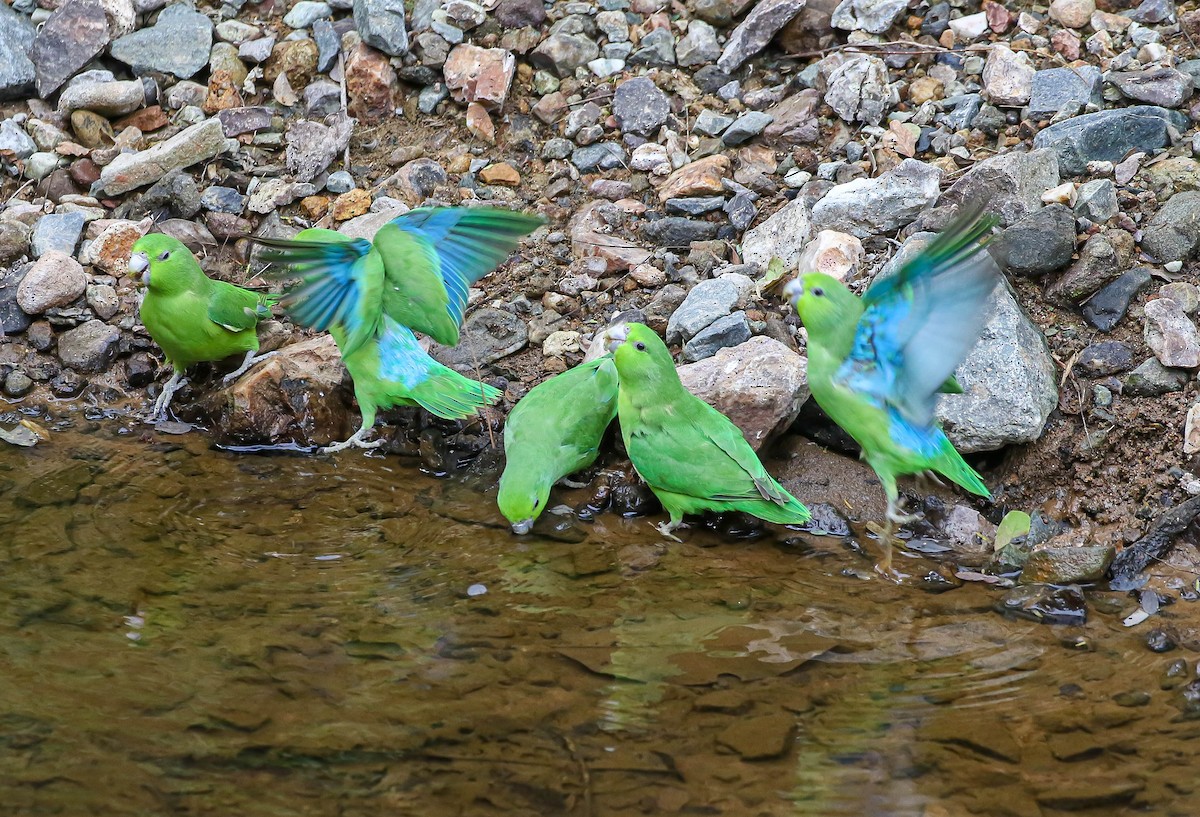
pixel 196 631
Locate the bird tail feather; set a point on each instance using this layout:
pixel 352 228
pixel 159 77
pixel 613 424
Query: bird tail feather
pixel 953 467
pixel 448 394
pixel 787 510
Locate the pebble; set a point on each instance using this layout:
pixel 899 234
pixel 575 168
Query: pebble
pixel 640 106
pixel 58 232
pixel 1151 379
pixel 1041 242
pixel 381 25
pixel 1108 135
pixel 55 279
pixel 73 35
pixel 705 303
pixel 178 43
pixel 729 330
pixel 1007 76
pixel 1171 335
pixel 1063 89
pixel 758 28
pixel 866 207
pixel 1104 358
pixel 1173 233
pixel 746 127
pixel 859 90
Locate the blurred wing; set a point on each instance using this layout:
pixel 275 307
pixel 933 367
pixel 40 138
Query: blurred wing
pixel 920 323
pixel 339 282
pixel 469 242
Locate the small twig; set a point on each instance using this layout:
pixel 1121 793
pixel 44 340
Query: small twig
pixel 345 106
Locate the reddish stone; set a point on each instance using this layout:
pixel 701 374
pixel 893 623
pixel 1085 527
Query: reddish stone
pixel 480 124
pixel 145 120
pixel 223 93
pixel 482 75
pixel 370 85
pixel 85 172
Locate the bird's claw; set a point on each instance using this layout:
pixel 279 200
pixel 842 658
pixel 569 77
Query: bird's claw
pixel 666 528
pixel 356 440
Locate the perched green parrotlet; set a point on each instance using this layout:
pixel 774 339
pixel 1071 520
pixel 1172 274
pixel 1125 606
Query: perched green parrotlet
pixel 877 364
pixel 191 316
pixel 692 456
pixel 553 431
pixel 412 276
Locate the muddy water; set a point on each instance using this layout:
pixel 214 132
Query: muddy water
pixel 192 631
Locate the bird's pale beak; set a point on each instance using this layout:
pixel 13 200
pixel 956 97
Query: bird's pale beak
pixel 616 336
pixel 523 527
pixel 793 290
pixel 139 266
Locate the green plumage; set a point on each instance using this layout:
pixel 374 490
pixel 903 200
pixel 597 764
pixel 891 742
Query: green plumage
pixel 555 430
pixel 693 457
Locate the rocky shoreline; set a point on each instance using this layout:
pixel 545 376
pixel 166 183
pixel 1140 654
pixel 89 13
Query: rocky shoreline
pixel 675 150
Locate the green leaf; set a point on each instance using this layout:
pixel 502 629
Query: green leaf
pixel 774 274
pixel 1014 524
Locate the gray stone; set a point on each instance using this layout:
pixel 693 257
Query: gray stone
pixel 178 43
pixel 695 206
pixel 1152 11
pixel 1171 335
pixel 1152 378
pixel 760 385
pixel 640 106
pixel 312 146
pixel 678 232
pixel 487 335
pixel 563 53
pixel 257 51
pixel 1097 201
pixel 236 121
pixel 197 143
pixel 73 35
pixel 656 49
pixel 557 148
pixel 1041 242
pixel 112 98
pixel 103 300
pixel 1007 76
pixel 966 108
pixel 17 384
pixel 56 279
pixel 329 45
pixel 872 16
pixel 705 303
pixel 223 200
pixel 746 127
pixel 57 232
pixel 1106 308
pixel 1154 86
pixel 1062 89
pixel 1109 135
pixel 1009 382
pixel 1173 233
pixel 707 123
pixel 307 12
pixel 1068 565
pixel 858 90
pixel 741 211
pixel 1010 185
pixel 13 318
pixel 1104 358
pixel 339 182
pixel 698 46
pixel 14 141
pixel 381 25
pixel 866 207
pixel 783 235
pixel 763 22
pixel 17 74
pixel 730 330
pixel 600 156
pixel 89 347
pixel 1103 258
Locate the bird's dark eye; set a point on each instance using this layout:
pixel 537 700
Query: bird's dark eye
pixel 818 292
pixel 536 502
pixel 641 347
pixel 166 254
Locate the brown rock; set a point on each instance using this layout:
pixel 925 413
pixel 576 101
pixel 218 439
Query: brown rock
pixel 551 107
pixel 296 58
pixel 699 178
pixel 91 129
pixel 1101 261
pixel 370 85
pixel 482 75
pixel 759 738
pixel 314 206
pixel 590 239
pixel 110 250
pixel 55 279
pixel 502 173
pixel 145 120
pixel 350 204
pixel 480 124
pixel 294 396
pixel 1066 42
pixel 227 226
pixel 795 119
pixel 85 172
pixel 223 93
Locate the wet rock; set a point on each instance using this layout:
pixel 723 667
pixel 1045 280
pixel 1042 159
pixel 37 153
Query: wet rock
pixel 89 347
pixel 17 75
pixel 728 331
pixel 482 75
pixel 1104 358
pixel 784 235
pixel 197 143
pixel 1151 378
pixel 698 46
pixel 866 207
pixel 312 146
pixel 1103 258
pixel 17 384
pixel 563 53
pixel 70 38
pixel 178 43
pixel 764 21
pixel 1061 89
pixel 858 90
pixel 1067 565
pixel 13 319
pixel 1011 184
pixel 1045 604
pixel 57 232
pixel 1171 335
pixel 487 335
pixel 1108 135
pixel 640 106
pixel 1173 233
pixel 1007 76
pixel 1155 86
pixel 294 396
pixel 872 16
pixel 760 385
pixel 1009 381
pixel 381 25
pixel 704 304
pixel 759 738
pixel 1040 242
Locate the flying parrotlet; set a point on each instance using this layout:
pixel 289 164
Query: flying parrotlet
pixel 553 431
pixel 372 296
pixel 191 316
pixel 692 456
pixel 877 364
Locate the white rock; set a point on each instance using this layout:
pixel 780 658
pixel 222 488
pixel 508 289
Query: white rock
pixel 833 253
pixel 783 235
pixel 867 207
pixel 1007 76
pixel 969 27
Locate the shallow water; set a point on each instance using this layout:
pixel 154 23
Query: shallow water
pixel 193 631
